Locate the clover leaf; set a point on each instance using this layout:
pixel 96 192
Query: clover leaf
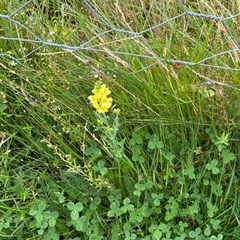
pixel 227 156
pixel 75 209
pixel 155 142
pixel 213 166
pixel 189 172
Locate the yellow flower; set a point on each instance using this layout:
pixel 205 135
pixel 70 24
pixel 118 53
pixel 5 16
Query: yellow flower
pixel 99 100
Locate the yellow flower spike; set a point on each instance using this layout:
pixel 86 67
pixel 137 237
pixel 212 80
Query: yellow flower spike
pixel 99 100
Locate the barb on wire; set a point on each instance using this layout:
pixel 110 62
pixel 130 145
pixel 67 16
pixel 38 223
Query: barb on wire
pixel 41 43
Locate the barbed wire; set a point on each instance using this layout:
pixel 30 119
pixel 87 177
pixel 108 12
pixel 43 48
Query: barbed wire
pixel 111 29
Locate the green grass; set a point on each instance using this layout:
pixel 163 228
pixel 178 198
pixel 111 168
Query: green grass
pixel 170 167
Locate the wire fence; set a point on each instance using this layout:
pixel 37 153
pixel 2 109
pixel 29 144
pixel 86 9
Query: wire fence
pixel 38 42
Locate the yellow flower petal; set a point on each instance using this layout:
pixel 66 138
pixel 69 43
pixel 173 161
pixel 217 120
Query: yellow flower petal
pixel 102 109
pixel 92 98
pixel 106 102
pixel 96 105
pixel 104 90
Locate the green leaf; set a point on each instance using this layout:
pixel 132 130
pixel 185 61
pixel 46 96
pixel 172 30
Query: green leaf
pixel 195 233
pixel 74 214
pixel 151 145
pixel 52 236
pixel 180 177
pixel 138 158
pixel 169 156
pixel 157 234
pixel 41 231
pixel 100 168
pixel 157 198
pixel 207 231
pixel 227 156
pixel 47 215
pixel 33 211
pixel 215 170
pixel 169 216
pixel 6 225
pixel 130 207
pixel 42 206
pixel 136 149
pixel 42 225
pixel 182 226
pixel 55 214
pixel 39 217
pixel 78 207
pixel 93 150
pixel 216 188
pixel 127 227
pixel 214 162
pixel 101 164
pixel 60 196
pixel 97 200
pixel 159 144
pixel 115 209
pixel 93 206
pixel 213 166
pixel 140 187
pixel 9 219
pixel 215 223
pixel 135 217
pixel 81 223
pixel 205 182
pixel 136 139
pixel 70 206
pixel 137 193
pixel 156 202
pixel 126 201
pixel 51 222
pixel 149 184
pixel 110 213
pixel 212 209
pixel 127 206
pixel 155 142
pixel 189 172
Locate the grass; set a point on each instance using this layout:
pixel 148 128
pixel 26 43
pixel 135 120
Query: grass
pixel 168 169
